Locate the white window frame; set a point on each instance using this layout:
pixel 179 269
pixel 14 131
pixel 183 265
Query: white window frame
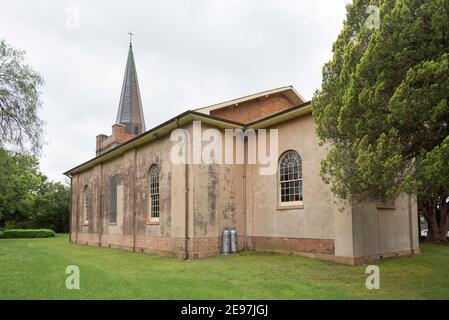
pixel 295 203
pixel 154 195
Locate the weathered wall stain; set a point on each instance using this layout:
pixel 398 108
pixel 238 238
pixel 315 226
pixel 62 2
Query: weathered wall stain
pixel 212 188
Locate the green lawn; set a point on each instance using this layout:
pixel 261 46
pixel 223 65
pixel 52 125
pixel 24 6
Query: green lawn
pixel 35 269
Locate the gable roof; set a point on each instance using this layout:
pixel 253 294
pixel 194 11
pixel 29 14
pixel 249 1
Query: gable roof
pixel 288 91
pixel 187 117
pixel 284 115
pixel 152 134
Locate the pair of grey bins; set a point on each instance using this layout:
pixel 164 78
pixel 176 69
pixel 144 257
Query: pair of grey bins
pixel 229 240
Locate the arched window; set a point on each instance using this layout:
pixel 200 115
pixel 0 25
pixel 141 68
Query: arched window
pixel 153 184
pixel 290 179
pixel 86 197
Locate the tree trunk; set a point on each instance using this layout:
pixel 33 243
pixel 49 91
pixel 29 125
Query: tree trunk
pixel 419 225
pixel 436 212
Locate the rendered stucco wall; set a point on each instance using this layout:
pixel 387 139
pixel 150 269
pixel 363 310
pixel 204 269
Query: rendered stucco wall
pixel 315 220
pixel 132 230
pixel 218 202
pixel 380 233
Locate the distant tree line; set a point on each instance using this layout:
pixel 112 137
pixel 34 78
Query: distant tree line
pixel 27 198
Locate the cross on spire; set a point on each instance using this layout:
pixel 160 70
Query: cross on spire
pixel 130 38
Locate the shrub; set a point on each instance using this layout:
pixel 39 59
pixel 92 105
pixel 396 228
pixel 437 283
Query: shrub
pixel 27 233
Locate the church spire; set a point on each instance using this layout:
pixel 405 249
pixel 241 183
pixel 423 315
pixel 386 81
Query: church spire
pixel 130 112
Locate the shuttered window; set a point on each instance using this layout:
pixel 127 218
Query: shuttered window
pixel 113 200
pixel 86 197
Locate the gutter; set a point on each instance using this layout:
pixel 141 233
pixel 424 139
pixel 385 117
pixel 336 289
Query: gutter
pixel 186 235
pixel 77 208
pixel 134 200
pixel 71 211
pixel 186 204
pixel 188 115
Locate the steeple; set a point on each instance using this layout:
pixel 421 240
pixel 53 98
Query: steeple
pixel 130 113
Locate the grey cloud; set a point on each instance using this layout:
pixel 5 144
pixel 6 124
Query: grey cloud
pixel 188 54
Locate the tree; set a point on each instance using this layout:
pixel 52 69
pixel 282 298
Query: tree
pixel 27 198
pixel 52 207
pixel 20 126
pixel 19 183
pixel 383 107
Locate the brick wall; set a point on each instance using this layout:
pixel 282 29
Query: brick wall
pixel 198 248
pixel 105 143
pixel 322 246
pixel 255 109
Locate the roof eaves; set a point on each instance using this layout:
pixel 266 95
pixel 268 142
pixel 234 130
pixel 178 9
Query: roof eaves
pixel 135 141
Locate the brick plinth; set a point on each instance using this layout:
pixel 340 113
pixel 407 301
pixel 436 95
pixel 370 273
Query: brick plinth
pixel 198 248
pixel 321 246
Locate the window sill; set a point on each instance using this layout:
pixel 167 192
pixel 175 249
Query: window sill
pixel 85 224
pixel 112 224
pixel 153 223
pixel 292 207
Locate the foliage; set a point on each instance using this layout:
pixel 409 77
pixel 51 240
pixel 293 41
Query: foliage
pixel 19 183
pixel 20 126
pixel 27 233
pixel 383 106
pixel 52 207
pixel 27 198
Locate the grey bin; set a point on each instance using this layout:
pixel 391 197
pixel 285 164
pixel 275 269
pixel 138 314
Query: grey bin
pixel 233 240
pixel 226 241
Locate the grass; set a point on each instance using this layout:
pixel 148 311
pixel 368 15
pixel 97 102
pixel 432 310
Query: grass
pixel 35 269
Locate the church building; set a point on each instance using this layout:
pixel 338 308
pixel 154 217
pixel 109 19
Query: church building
pixel 133 196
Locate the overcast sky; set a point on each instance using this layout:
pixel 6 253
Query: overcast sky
pixel 188 54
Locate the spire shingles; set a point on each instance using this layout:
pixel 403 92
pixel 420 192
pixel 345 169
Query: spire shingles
pixel 130 111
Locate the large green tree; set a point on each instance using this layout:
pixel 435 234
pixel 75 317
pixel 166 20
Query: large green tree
pixel 52 207
pixel 383 106
pixel 20 125
pixel 27 198
pixel 19 183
